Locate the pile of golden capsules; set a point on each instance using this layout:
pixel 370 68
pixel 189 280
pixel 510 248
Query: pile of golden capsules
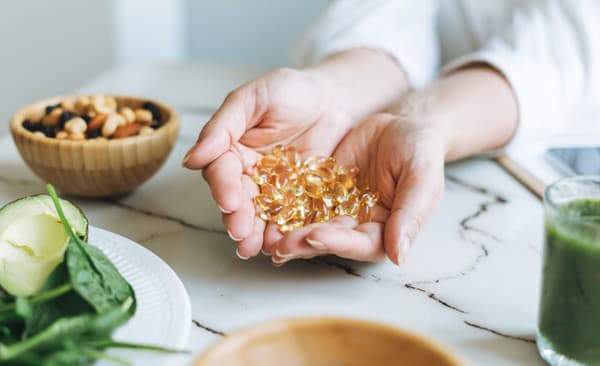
pixel 294 193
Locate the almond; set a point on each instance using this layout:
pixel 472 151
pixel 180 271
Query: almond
pixel 127 130
pixel 97 122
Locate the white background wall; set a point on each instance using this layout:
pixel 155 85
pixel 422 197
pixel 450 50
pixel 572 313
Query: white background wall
pixel 52 47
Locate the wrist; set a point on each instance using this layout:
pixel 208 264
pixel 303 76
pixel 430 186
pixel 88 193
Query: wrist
pixel 423 109
pixel 360 81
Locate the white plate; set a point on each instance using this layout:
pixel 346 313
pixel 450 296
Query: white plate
pixel 163 315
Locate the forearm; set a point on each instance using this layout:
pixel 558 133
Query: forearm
pixel 474 108
pixel 362 81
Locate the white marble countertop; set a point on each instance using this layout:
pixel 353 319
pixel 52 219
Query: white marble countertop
pixel 470 282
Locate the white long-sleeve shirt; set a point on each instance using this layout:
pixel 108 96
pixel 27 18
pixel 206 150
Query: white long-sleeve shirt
pixel 548 50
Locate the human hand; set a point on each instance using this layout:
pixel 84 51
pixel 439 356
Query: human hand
pixel 400 156
pixel 291 107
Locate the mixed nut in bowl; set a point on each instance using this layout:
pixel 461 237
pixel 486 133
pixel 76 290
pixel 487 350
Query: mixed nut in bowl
pixel 95 146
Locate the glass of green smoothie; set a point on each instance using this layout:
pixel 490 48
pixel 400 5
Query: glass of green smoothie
pixel 569 318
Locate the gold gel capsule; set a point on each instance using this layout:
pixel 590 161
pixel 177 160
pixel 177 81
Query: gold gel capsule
pixel 268 161
pixel 314 162
pixel 329 199
pixel 274 209
pixel 279 150
pixel 260 177
pixel 338 191
pixel 364 214
pixel 263 200
pixel 348 208
pixel 321 210
pixel 285 214
pixel 291 226
pixel 369 199
pixel 292 158
pixel 271 191
pixel 313 186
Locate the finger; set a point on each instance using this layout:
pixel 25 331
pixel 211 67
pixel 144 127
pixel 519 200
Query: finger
pixel 226 126
pixel 416 196
pixel 293 245
pixel 251 246
pixel 240 223
pixel 224 176
pixel 362 243
pixel 271 237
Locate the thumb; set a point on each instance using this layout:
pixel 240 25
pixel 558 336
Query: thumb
pixel 416 196
pixel 226 127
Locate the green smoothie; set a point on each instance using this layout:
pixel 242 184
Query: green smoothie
pixel 570 300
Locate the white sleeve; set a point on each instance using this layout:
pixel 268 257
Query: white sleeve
pixel 550 55
pixel 404 29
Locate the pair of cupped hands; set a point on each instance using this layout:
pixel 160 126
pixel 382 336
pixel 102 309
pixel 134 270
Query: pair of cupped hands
pixel 399 154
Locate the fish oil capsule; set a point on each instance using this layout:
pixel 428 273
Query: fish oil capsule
pixel 314 162
pixel 364 214
pixel 313 186
pixel 291 226
pixel 369 199
pixel 310 218
pixel 271 191
pixel 263 200
pixel 289 196
pixel 303 207
pixel 292 158
pixel 260 177
pixel 331 164
pixel 329 199
pixel 346 175
pixel 285 214
pixel 321 210
pixel 338 191
pixel 347 208
pixel 274 209
pixel 279 150
pixel 268 161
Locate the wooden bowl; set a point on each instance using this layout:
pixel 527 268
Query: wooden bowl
pixel 326 342
pixel 95 168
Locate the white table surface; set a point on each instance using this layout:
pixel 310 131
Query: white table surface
pixel 470 282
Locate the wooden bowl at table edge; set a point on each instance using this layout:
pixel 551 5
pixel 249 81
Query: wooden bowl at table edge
pixel 95 168
pixel 326 341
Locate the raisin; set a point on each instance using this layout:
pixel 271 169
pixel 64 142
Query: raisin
pixel 28 125
pixel 50 108
pixel 154 109
pixel 47 130
pixel 94 133
pixel 64 117
pixel 86 118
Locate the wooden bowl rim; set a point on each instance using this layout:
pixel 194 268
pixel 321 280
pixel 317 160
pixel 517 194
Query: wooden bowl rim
pixel 241 336
pixel 16 123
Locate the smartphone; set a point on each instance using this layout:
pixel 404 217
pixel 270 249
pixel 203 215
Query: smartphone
pixel 575 160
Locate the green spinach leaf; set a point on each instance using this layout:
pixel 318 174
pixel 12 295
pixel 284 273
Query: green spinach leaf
pixel 92 274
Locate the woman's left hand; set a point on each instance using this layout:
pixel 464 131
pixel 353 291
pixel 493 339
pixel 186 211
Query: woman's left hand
pixel 400 156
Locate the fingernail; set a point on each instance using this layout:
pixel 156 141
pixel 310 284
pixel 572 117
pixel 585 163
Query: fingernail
pixel 286 256
pixel 232 237
pixel 403 249
pixel 279 260
pixel 264 252
pixel 241 256
pixel 186 158
pixel 316 244
pixel 224 211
